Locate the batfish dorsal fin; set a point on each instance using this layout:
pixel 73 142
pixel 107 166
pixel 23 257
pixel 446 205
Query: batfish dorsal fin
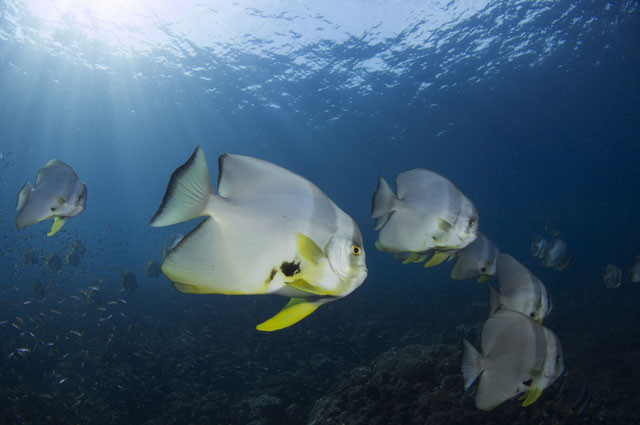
pixel 241 174
pixel 49 168
pixel 295 310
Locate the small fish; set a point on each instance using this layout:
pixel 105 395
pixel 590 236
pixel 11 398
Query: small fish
pixel 519 290
pixel 557 256
pixel 172 242
pixel 539 246
pixel 634 271
pixel 76 333
pixel 23 350
pixel 428 214
pixel 574 395
pixel 519 355
pixel 128 281
pixel 552 227
pixel 612 276
pixel 152 269
pixel 478 259
pixel 268 231
pixel 58 194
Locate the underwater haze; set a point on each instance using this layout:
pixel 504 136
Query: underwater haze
pixel 531 108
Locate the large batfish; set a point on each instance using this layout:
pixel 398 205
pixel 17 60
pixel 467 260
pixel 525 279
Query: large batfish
pixel 268 231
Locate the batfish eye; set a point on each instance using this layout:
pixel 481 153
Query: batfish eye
pixel 356 250
pixel 53 208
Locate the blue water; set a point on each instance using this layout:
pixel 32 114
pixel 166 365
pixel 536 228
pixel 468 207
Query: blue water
pixel 530 108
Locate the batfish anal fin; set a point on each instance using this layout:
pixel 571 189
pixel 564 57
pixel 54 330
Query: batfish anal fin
pixel 295 310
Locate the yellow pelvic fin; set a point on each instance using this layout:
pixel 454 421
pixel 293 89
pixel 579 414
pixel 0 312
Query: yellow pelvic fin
pixel 444 225
pixel 438 258
pixel 414 258
pixel 308 249
pixel 483 278
pixel 57 224
pixel 531 396
pixel 295 310
pixel 305 286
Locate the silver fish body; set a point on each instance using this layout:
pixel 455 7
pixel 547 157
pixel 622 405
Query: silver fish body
pixel 539 246
pixel 476 260
pixel 518 356
pixel 634 271
pixel 558 256
pixel 574 395
pixel 519 290
pixel 428 213
pixel 612 276
pixel 58 194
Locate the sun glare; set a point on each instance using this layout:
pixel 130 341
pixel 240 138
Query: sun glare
pixel 121 23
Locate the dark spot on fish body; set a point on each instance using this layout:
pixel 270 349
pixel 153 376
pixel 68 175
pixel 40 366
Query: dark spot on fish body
pixel 290 268
pixel 528 382
pixel 272 274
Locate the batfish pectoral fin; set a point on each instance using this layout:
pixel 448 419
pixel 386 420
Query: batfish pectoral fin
pixel 535 373
pixel 531 396
pixel 295 310
pixel 308 249
pixel 483 278
pixel 57 224
pixel 444 225
pixel 438 258
pixel 305 286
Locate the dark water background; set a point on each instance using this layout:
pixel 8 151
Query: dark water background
pixel 541 121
